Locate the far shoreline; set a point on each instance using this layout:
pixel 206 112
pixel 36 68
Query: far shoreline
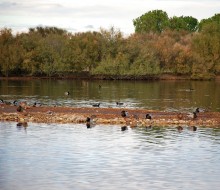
pixel 110 77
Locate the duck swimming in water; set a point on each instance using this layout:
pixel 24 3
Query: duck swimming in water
pixel 192 128
pixel 88 124
pixel 67 93
pixel 119 103
pixel 36 104
pixel 179 128
pixel 15 103
pixel 124 128
pixel 90 121
pixel 96 105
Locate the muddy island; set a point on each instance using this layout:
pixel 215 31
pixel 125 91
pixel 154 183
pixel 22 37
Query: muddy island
pixel 112 116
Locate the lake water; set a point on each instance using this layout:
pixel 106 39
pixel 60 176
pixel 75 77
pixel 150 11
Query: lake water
pixel 160 95
pixel 70 156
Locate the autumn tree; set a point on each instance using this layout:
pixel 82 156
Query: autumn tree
pixel 206 48
pixel 11 53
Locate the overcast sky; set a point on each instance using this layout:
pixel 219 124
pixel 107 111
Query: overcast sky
pixel 84 15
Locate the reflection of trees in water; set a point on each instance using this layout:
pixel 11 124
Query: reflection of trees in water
pixel 159 95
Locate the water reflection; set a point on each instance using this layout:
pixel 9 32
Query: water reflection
pixel 72 157
pixel 163 95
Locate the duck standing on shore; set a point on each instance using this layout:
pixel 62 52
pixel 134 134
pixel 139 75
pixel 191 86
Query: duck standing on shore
pixel 124 113
pixel 148 116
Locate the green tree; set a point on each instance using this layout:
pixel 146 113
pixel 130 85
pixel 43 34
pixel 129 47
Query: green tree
pixel 152 21
pixel 204 22
pixel 187 23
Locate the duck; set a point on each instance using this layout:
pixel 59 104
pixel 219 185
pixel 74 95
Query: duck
pixel 199 110
pixel 195 115
pixel 124 128
pixel 20 108
pixel 124 113
pixel 23 105
pixel 88 125
pixel 15 103
pixel 22 124
pixel 96 105
pixel 90 122
pixel 148 116
pixel 67 93
pixel 192 128
pixel 180 116
pixel 179 128
pixel 36 104
pixel 119 103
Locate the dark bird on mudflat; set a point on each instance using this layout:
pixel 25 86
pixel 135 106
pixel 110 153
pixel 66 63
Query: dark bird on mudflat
pixel 195 115
pixel 20 108
pixel 148 116
pixel 180 116
pixel 124 113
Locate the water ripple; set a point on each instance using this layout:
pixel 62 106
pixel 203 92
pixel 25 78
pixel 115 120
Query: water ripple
pixel 71 156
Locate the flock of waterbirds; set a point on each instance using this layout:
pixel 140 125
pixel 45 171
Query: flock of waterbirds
pixel 90 121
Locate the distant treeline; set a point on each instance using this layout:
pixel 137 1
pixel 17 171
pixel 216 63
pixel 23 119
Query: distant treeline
pixel 160 45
